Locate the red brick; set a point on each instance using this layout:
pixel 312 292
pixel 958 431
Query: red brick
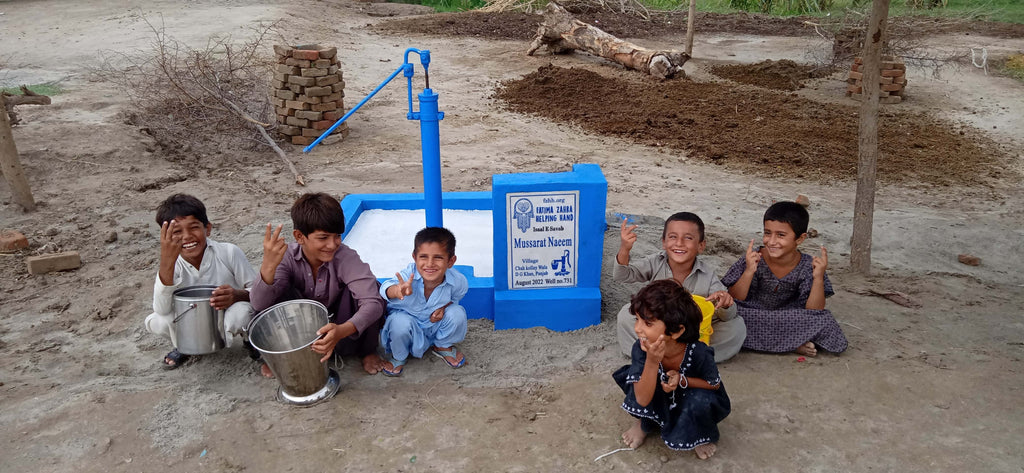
pixel 53 262
pixel 858 60
pixel 899 80
pixel 334 116
pixel 893 73
pixel 311 132
pixel 302 140
pixel 324 107
pixel 969 260
pixel 318 91
pixel 11 240
pixel 855 67
pixel 307 54
pixel 855 75
pixel 854 89
pixel 333 97
pixel 323 124
pixel 885 80
pixel 339 87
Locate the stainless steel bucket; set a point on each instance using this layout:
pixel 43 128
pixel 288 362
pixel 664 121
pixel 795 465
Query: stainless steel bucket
pixel 198 327
pixel 283 334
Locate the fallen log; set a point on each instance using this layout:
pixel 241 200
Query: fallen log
pixel 562 33
pixel 29 98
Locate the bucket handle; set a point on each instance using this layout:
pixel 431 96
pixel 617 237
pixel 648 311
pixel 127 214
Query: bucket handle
pixel 179 316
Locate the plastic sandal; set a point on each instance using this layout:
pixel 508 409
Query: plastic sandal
pixel 452 352
pixel 397 368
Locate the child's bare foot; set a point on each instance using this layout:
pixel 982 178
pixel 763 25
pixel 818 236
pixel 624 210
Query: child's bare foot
pixel 635 436
pixel 807 349
pixel 372 363
pixel 265 371
pixel 705 451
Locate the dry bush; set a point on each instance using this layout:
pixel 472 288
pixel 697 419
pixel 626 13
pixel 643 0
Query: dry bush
pixel 189 99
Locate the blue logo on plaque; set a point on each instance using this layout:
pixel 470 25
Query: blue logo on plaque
pixel 561 266
pixel 523 213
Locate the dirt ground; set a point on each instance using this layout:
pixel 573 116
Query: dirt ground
pixel 931 388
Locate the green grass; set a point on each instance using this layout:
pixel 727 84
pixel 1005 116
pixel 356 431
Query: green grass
pixel 1014 66
pixel 446 5
pixel 48 88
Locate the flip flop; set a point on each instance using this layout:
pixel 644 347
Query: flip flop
pixel 452 352
pixel 397 368
pixel 177 358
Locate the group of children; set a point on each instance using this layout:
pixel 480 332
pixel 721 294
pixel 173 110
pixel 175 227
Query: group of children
pixel 422 300
pixel 674 329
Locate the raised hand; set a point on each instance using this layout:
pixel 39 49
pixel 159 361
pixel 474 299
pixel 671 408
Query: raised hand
pixel 671 381
pixel 627 235
pixel 274 248
pixel 752 257
pixel 721 299
pixel 404 287
pixel 819 264
pixel 170 242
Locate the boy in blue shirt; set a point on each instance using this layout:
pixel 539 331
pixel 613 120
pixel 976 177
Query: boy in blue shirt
pixel 423 304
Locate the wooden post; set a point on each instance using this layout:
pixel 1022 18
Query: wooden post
pixel 689 27
pixel 11 165
pixel 867 143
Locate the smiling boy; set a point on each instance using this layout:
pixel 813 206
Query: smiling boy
pixel 682 240
pixel 188 257
pixel 320 267
pixel 423 304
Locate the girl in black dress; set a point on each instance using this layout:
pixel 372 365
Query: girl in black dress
pixel 672 383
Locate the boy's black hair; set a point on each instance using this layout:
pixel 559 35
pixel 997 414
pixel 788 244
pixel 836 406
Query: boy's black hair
pixel 789 212
pixel 668 301
pixel 684 217
pixel 435 235
pixel 317 211
pixel 181 205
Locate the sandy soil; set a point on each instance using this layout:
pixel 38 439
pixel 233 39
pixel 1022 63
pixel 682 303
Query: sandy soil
pixel 935 388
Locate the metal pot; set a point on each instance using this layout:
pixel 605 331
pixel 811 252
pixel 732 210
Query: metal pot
pixel 198 327
pixel 284 334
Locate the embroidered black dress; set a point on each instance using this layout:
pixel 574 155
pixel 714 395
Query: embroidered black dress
pixel 687 417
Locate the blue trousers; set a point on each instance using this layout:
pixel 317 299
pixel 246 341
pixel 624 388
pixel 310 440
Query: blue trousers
pixel 406 334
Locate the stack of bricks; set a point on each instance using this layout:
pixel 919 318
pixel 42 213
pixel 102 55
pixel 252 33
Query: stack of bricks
pixel 893 80
pixel 308 93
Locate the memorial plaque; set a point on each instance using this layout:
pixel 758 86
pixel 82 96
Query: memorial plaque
pixel 543 239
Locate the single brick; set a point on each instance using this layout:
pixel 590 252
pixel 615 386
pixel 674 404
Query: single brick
pixel 311 132
pixel 339 87
pixel 11 240
pixel 318 91
pixel 276 84
pixel 310 100
pixel 280 76
pixel 307 54
pixel 297 105
pixel 893 73
pixel 901 66
pixel 333 97
pixel 334 116
pixel 858 60
pixel 332 69
pixel 323 124
pixel 323 63
pixel 327 80
pixel 282 50
pixel 855 67
pixel 278 102
pixel 296 122
pixel 290 130
pixel 328 53
pixel 855 75
pixel 302 140
pixel 49 263
pixel 899 80
pixel 298 89
pixel 285 111
pixel 303 81
pixel 286 94
pixel 854 89
pixel 888 65
pixel 314 72
pixel 309 115
pixel 286 69
pixel 324 107
pixel 297 62
pixel 885 80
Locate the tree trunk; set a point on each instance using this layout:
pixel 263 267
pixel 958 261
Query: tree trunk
pixel 689 27
pixel 11 165
pixel 562 33
pixel 867 144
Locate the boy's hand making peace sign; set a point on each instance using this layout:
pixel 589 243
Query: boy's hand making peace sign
pixel 400 290
pixel 274 248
